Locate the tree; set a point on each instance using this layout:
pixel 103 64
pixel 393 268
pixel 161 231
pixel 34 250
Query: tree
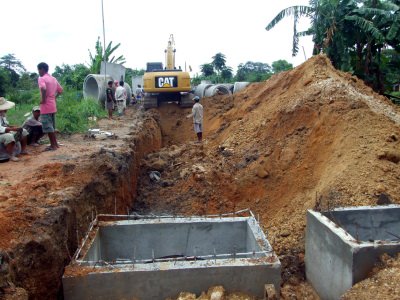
pixel 72 76
pixel 253 72
pixel 297 12
pixel 4 81
pixel 226 73
pixel 10 62
pixel 27 81
pixel 207 69
pixel 98 57
pixel 280 66
pixel 351 32
pixel 13 66
pixel 219 61
pixel 130 73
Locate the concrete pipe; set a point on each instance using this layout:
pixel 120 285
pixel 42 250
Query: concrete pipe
pixel 240 85
pixel 94 86
pixel 212 90
pixel 128 93
pixel 200 89
pixel 229 86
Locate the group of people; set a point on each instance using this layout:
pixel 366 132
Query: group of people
pixel 42 120
pixel 117 96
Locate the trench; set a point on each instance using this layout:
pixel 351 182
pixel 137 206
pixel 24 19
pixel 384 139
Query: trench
pixel 36 263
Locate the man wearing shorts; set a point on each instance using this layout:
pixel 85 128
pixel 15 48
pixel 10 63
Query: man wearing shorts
pixel 110 101
pixel 197 114
pixel 49 90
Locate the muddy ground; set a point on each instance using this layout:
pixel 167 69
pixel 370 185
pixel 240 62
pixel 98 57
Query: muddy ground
pixel 312 137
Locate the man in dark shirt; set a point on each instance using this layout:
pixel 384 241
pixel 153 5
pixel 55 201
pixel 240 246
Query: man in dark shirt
pixel 110 101
pixel 34 127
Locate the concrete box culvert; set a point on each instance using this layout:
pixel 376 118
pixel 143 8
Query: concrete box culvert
pixel 343 245
pixel 158 258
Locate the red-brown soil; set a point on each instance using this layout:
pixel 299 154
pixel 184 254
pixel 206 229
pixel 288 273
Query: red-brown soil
pixel 310 137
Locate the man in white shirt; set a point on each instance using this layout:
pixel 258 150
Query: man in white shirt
pixel 197 114
pixel 120 97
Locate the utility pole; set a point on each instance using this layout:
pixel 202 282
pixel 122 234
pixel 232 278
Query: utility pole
pixel 104 47
pixel 304 52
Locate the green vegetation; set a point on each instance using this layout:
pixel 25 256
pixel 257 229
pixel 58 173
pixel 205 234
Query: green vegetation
pixel 73 111
pixel 98 57
pixel 75 114
pixel 356 35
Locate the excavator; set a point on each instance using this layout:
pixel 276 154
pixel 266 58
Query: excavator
pixel 166 84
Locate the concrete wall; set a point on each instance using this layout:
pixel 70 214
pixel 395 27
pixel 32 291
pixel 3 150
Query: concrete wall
pixel 368 224
pixel 135 81
pixel 116 71
pixel 161 282
pixel 172 239
pixel 336 259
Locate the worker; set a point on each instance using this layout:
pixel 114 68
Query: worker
pixel 49 90
pixel 10 135
pixel 139 93
pixel 34 127
pixel 120 97
pixel 197 114
pixel 110 101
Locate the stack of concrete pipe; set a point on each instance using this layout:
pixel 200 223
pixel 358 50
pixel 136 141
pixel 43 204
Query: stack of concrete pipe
pixel 209 90
pixel 95 86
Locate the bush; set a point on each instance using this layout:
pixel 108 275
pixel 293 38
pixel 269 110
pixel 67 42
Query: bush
pixel 72 116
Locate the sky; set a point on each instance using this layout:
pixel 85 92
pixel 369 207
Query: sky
pixel 61 31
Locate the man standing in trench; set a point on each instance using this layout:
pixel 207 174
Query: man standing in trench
pixel 197 114
pixel 120 97
pixel 49 90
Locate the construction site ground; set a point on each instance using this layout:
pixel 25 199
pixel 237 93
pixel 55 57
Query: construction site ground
pixel 312 137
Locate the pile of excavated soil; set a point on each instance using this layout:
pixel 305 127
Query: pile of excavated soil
pixel 312 137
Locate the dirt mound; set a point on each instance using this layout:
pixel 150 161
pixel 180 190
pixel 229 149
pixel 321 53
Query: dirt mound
pixel 310 137
pixel 383 284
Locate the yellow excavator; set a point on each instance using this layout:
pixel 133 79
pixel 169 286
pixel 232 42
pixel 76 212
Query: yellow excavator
pixel 166 84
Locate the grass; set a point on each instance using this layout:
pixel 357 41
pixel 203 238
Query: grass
pixel 73 112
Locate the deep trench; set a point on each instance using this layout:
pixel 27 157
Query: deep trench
pixel 37 263
pixel 167 126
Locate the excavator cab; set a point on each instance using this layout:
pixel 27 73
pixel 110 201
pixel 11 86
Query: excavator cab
pixel 166 84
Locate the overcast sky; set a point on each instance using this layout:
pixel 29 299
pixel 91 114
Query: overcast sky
pixel 62 31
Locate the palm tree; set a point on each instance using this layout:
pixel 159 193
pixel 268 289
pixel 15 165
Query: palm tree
pixel 297 12
pixel 219 61
pixel 344 29
pixel 95 60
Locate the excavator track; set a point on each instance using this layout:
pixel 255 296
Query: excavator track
pixel 186 101
pixel 150 101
